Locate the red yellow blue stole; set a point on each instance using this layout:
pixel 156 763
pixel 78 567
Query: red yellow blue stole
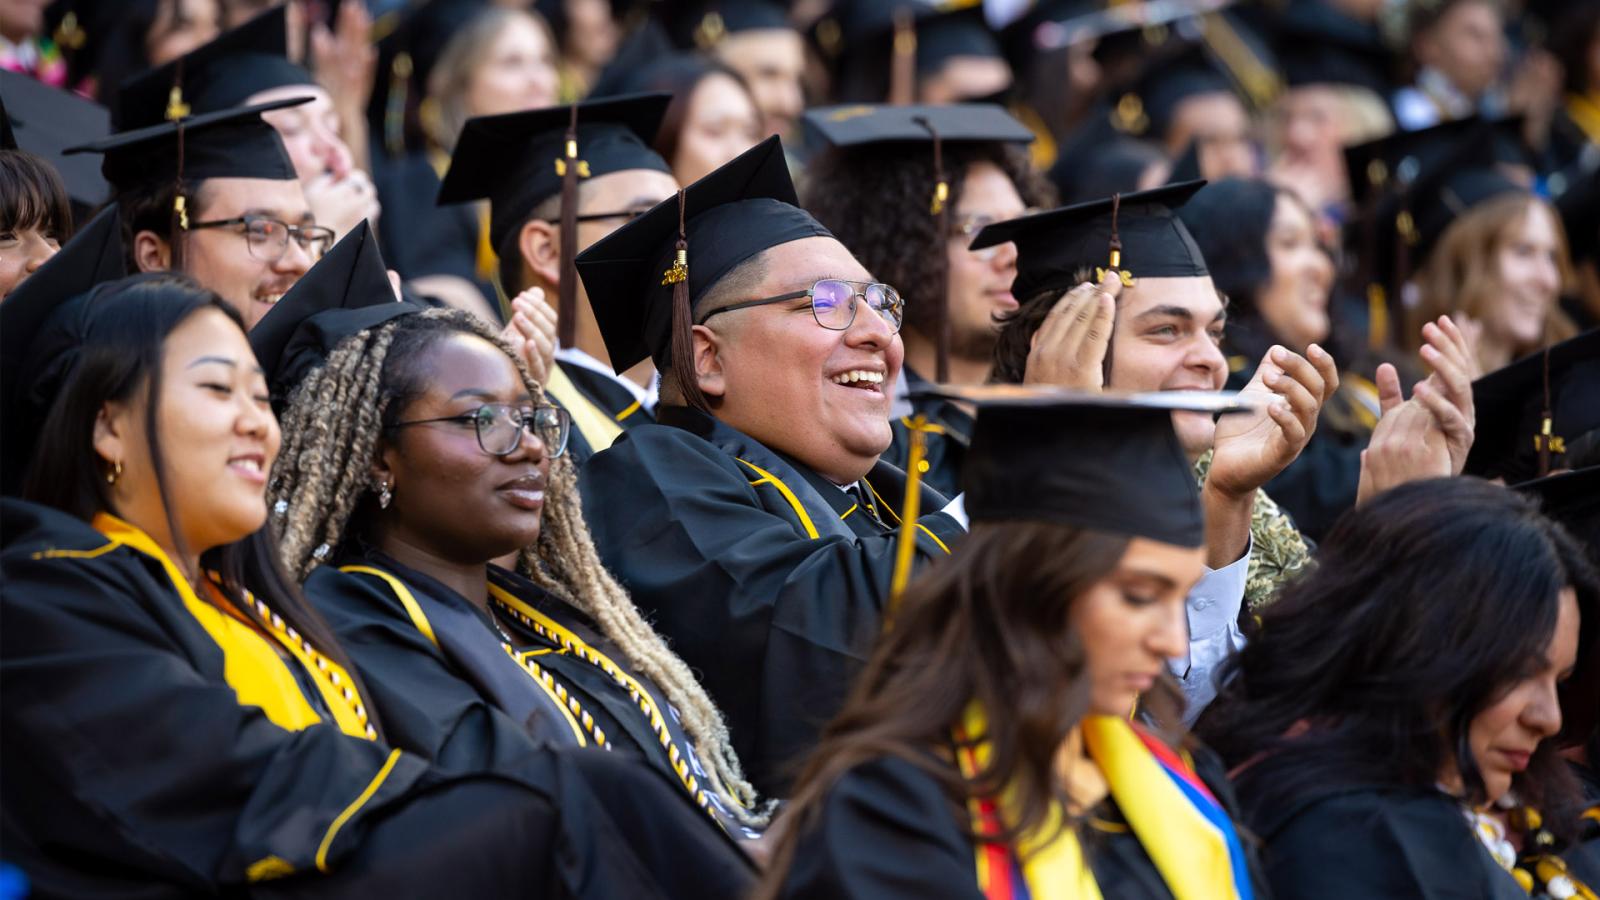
pixel 1183 829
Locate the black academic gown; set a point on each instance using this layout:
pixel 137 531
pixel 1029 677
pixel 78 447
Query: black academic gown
pixel 888 830
pixel 766 579
pixel 603 397
pixel 1336 841
pixel 418 236
pixel 457 697
pixel 945 442
pixel 132 768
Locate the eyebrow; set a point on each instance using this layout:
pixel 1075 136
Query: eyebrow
pixel 479 393
pixel 1160 578
pixel 223 361
pixel 1177 312
pixel 304 217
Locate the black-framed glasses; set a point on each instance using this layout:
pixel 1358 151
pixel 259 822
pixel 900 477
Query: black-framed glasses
pixel 627 215
pixel 833 303
pixel 500 426
pixel 268 238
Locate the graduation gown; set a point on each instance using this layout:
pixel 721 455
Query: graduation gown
pixel 765 578
pixel 418 236
pixel 948 434
pixel 600 408
pixel 134 767
pixel 888 830
pixel 439 673
pixel 1343 840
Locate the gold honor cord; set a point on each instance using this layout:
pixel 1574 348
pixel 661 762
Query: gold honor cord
pixel 905 550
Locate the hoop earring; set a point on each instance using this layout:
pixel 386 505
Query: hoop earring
pixel 115 473
pixel 385 496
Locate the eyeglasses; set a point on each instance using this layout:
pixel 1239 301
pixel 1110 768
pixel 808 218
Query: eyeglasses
pixel 268 238
pixel 500 427
pixel 833 303
pixel 967 227
pixel 628 215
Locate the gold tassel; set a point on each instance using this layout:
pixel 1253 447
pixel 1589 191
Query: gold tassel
pixel 910 511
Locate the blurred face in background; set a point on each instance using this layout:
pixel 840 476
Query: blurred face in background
pixel 21 19
pixel 592 35
pixel 1294 303
pixel 516 73
pixel 1219 121
pixel 965 78
pixel 310 131
pixel 1528 258
pixel 179 27
pixel 721 122
pixel 771 61
pixel 1467 44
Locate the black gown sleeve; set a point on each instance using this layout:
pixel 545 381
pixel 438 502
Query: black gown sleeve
pixel 885 831
pixel 427 707
pixel 777 622
pixel 1383 844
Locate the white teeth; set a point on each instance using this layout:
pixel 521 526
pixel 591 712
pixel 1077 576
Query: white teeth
pixel 252 464
pixel 855 375
pixel 270 299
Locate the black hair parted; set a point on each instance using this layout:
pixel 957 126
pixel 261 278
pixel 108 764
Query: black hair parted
pixel 1426 605
pixel 876 201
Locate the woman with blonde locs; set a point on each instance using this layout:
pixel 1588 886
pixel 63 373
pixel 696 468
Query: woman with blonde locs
pixel 418 451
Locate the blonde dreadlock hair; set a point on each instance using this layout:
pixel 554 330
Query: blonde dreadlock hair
pixel 331 427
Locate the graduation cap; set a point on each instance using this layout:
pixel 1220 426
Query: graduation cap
pixel 1318 44
pixel 44 121
pixel 219 75
pixel 346 292
pixel 645 278
pixel 230 143
pixel 519 160
pixel 1105 461
pixel 1573 499
pixel 36 351
pixel 882 47
pixel 703 24
pixel 641 55
pixel 1528 411
pixel 879 127
pixel 1137 235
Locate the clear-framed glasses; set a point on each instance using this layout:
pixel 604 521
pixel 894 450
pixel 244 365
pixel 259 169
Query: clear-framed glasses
pixel 268 238
pixel 500 427
pixel 966 227
pixel 833 303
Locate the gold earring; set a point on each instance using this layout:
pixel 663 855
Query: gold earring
pixel 115 473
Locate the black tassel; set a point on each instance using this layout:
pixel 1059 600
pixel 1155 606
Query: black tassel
pixel 567 308
pixel 940 209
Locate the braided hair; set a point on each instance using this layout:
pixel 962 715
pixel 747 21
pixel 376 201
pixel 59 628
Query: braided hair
pixel 331 427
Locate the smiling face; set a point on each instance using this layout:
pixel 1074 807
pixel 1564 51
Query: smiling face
pixel 773 373
pixel 451 499
pixel 1505 734
pixel 979 283
pixel 1295 301
pixel 220 258
pixel 1133 620
pixel 22 252
pixel 1168 337
pixel 1527 256
pixel 217 433
pixel 1467 44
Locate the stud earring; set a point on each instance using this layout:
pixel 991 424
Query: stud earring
pixel 384 495
pixel 115 473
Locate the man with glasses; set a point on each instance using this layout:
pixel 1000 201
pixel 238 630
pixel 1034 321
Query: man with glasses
pixel 875 188
pixel 754 524
pixel 214 196
pixel 517 161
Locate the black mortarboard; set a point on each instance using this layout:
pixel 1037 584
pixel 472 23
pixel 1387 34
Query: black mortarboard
pixel 645 50
pixel 1165 86
pixel 1100 461
pixel 35 353
pixel 346 292
pixel 1573 499
pixel 859 125
pixel 1137 234
pixel 1318 44
pixel 516 160
pixel 1187 166
pixel 870 36
pixel 231 143
pixel 8 138
pixel 45 121
pixel 1533 407
pixel 738 211
pixel 220 75
pixel 703 24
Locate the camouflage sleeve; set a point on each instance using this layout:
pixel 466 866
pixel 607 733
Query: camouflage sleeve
pixel 1279 553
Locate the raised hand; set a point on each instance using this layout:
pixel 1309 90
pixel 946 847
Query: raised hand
pixel 1447 393
pixel 1069 349
pixel 532 330
pixel 1288 392
pixel 1408 443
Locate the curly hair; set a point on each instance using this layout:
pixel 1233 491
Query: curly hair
pixel 332 425
pixel 875 201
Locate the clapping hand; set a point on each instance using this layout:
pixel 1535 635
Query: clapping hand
pixel 532 330
pixel 1429 435
pixel 1288 392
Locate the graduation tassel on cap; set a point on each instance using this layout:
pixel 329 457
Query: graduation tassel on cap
pixel 677 275
pixel 910 511
pixel 903 59
pixel 1546 441
pixel 569 169
pixel 394 105
pixel 941 200
pixel 1124 275
pixel 177 111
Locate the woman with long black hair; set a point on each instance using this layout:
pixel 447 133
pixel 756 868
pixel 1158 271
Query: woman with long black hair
pixel 1395 728
pixel 177 720
pixel 988 749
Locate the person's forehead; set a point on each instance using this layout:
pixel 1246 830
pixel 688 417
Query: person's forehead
pixel 227 197
pixel 626 187
pixel 466 362
pixel 1197 295
pixel 806 260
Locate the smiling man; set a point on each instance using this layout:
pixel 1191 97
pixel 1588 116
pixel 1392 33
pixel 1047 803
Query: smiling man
pixel 754 523
pixel 214 196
